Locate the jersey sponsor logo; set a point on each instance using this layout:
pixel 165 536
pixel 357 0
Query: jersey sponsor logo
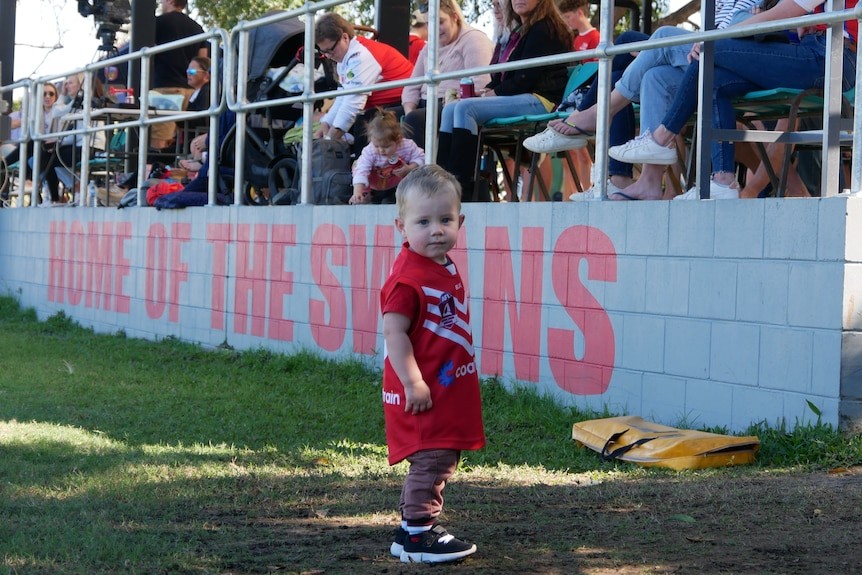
pixel 390 398
pixel 447 374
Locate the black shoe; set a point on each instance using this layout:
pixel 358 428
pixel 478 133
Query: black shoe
pixel 435 546
pixel 398 537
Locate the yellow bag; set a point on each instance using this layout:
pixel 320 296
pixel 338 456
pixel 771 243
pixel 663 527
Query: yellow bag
pixel 635 440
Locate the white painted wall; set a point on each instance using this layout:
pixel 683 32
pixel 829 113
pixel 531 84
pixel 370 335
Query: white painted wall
pixel 704 313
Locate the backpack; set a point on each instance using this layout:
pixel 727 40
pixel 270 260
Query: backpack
pixel 331 177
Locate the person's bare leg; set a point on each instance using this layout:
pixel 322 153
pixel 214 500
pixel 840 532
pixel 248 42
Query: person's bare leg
pixel 647 187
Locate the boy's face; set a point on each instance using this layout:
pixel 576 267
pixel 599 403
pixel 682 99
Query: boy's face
pixel 571 19
pixel 430 224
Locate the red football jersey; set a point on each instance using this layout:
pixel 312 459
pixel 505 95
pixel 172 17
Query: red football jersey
pixel 443 347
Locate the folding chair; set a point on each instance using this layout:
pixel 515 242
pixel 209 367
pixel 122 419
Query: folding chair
pixel 779 103
pixel 504 137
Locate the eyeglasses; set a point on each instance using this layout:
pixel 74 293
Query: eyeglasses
pixel 330 51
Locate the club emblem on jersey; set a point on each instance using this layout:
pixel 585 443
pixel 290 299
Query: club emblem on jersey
pixel 448 314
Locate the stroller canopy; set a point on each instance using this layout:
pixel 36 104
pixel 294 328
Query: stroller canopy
pixel 274 45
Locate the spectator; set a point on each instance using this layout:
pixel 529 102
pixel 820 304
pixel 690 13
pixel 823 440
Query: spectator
pixel 384 162
pixel 64 155
pixel 169 68
pixel 360 62
pixel 198 78
pixel 537 29
pixel 11 152
pixel 418 36
pixel 741 65
pixel 576 13
pixel 461 47
pixel 651 78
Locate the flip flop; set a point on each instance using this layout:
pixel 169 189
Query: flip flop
pixel 578 131
pixel 623 195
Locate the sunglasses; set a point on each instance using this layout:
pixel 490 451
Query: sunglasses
pixel 195 71
pixel 49 95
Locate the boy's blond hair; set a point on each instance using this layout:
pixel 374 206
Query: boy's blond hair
pixel 428 180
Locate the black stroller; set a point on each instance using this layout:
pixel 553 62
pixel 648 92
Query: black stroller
pixel 270 165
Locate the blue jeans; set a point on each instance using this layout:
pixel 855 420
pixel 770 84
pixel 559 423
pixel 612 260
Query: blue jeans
pixel 745 65
pixel 622 128
pixel 470 113
pixel 652 79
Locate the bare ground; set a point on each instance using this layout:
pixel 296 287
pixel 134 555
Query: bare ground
pixel 757 522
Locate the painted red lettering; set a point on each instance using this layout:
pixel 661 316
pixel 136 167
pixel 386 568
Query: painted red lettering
pixel 250 287
pixel 328 248
pixel 365 295
pixel 281 281
pixel 99 257
pixel 155 291
pixel 525 318
pixel 590 375
pixel 122 267
pixel 56 262
pixel 179 272
pixel 219 235
pixel 75 256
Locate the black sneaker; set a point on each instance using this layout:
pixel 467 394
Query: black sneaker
pixel 398 537
pixel 434 546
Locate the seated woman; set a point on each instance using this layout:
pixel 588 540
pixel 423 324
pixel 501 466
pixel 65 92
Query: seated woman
pixel 66 153
pixel 11 152
pixel 651 78
pixel 360 63
pixel 461 47
pixel 741 65
pixel 537 29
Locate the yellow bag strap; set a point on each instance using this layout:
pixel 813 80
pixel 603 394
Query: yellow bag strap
pixel 620 451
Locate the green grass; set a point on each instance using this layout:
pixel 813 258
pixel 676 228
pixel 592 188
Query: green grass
pixel 122 455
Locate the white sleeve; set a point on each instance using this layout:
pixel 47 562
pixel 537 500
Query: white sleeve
pixel 360 69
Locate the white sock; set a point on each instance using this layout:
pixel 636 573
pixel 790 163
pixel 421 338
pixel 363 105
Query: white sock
pixel 416 529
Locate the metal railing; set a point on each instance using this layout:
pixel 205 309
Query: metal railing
pixel 235 78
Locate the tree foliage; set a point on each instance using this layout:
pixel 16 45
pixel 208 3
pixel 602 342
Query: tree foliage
pixel 226 14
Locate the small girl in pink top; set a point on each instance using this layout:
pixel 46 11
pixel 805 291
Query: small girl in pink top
pixel 384 162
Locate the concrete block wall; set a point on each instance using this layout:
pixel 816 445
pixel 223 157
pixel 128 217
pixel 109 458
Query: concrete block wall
pixel 699 313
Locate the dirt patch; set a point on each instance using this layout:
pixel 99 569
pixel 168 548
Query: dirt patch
pixel 700 524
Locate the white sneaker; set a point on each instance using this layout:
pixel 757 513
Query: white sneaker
pixel 550 141
pixel 594 193
pixel 643 150
pixel 716 192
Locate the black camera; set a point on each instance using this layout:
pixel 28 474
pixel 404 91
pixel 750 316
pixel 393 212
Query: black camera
pixel 110 15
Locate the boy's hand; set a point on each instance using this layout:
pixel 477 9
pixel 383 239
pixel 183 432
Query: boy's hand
pixel 417 397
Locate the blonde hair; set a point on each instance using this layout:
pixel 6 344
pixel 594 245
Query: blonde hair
pixel 428 180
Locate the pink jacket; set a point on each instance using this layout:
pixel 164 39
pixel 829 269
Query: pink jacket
pixel 470 49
